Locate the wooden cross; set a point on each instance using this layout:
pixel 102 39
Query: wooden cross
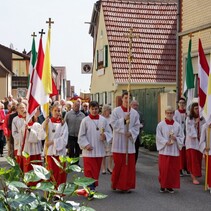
pixel 42 32
pixel 130 36
pixel 33 35
pixel 49 22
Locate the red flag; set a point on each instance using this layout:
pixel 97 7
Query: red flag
pixel 203 74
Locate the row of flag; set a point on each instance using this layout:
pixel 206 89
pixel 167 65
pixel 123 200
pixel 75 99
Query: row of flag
pixel 41 84
pixel 203 81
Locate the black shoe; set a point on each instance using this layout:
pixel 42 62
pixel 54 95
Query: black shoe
pixel 110 172
pixel 162 190
pixel 103 172
pixel 170 190
pixel 181 173
pixel 187 172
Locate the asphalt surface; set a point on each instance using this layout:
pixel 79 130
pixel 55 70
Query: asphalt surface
pixel 146 196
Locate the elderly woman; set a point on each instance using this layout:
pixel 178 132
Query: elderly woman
pixel 106 112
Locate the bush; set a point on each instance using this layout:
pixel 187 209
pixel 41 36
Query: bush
pixel 16 195
pixel 149 141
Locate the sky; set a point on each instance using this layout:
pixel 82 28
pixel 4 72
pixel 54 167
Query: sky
pixel 71 43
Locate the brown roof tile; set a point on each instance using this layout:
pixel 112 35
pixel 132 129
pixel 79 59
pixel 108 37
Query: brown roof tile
pixel 154 52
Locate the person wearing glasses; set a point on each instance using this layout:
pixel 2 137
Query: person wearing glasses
pixel 193 129
pixel 169 141
pixel 180 117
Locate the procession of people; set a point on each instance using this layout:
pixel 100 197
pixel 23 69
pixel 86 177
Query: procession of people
pixel 76 129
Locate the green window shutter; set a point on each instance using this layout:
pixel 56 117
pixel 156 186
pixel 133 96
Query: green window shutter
pixel 97 56
pixel 105 59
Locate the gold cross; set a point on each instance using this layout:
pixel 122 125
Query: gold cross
pixel 42 32
pixel 33 35
pixel 49 22
pixel 130 36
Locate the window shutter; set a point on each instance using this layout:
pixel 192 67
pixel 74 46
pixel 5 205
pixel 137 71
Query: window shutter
pixel 105 59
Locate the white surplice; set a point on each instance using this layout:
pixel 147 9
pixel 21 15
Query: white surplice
pixel 204 139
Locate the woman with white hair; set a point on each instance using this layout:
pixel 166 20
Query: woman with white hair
pixel 169 140
pixel 106 112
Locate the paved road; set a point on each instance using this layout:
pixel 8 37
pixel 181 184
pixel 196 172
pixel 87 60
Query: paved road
pixel 146 196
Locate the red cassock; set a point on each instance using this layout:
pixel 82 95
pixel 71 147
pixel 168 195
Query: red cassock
pixel 194 162
pixel 58 175
pixel 169 171
pixel 92 167
pixel 123 171
pixel 183 159
pixel 209 171
pixel 26 162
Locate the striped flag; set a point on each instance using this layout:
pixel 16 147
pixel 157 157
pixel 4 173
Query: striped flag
pixel 203 74
pixel 37 94
pixel 49 85
pixel 189 80
pixel 207 106
pixel 33 60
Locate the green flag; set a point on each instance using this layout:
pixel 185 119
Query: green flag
pixel 189 80
pixel 33 60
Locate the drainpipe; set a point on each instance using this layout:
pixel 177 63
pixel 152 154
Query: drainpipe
pixel 178 50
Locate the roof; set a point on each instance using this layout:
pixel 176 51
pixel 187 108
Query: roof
pixel 154 52
pixel 3 68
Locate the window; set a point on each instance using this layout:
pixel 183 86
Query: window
pixel 102 58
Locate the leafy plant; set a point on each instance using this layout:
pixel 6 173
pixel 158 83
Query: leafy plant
pixel 149 141
pixel 16 195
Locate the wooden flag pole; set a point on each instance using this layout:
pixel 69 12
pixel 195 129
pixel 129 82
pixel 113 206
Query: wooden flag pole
pixel 207 149
pixel 130 58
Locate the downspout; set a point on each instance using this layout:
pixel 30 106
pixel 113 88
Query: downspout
pixel 178 50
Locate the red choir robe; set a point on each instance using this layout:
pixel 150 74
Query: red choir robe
pixel 124 175
pixel 169 160
pixel 58 133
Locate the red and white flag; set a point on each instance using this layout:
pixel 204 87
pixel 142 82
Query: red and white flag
pixel 203 74
pixel 37 95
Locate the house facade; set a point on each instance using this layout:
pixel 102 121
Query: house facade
pixel 154 52
pixel 18 65
pixel 195 20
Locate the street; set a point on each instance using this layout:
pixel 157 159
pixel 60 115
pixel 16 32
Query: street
pixel 146 196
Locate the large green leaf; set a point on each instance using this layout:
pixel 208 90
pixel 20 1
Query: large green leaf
pixel 74 168
pixel 66 188
pixel 84 208
pixel 45 186
pixel 41 172
pixel 72 160
pixel 11 161
pixel 18 184
pixel 25 154
pixel 62 206
pixel 21 200
pixel 4 171
pixel 57 163
pixel 83 181
pixel 2 206
pixel 13 188
pixel 30 177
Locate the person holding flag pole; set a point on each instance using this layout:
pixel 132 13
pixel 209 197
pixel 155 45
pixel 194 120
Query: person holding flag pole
pixel 125 123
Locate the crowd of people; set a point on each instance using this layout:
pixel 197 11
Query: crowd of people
pixel 107 139
pixel 73 129
pixel 182 139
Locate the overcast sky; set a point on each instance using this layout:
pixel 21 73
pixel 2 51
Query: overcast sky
pixel 71 43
